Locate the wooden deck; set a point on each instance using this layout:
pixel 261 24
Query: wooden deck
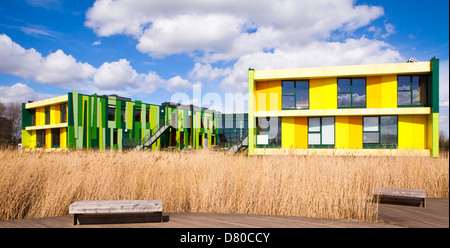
pixel 435 214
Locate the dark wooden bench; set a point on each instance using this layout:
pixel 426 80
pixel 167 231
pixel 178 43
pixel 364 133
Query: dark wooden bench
pixel 399 195
pixel 116 211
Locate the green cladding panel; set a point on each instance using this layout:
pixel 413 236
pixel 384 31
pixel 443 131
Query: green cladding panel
pixel 435 84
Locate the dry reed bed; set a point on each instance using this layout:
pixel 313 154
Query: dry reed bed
pixel 41 184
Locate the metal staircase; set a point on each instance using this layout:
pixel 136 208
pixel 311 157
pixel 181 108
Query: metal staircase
pixel 243 142
pixel 149 139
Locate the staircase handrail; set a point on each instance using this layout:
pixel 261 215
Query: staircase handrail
pixel 239 142
pixel 153 131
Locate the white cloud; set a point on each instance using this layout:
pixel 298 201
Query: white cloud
pixel 206 72
pixel 57 68
pixel 176 84
pixel 116 75
pixel 64 70
pixel 225 29
pixel 20 93
pixel 17 60
pixel 188 33
pixel 61 69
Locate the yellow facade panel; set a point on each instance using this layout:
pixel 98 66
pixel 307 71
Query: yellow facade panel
pixel 55 114
pixel 405 132
pixel 323 93
pixel 315 94
pixel 389 91
pixel 48 138
pixel 301 132
pixel 412 132
pixel 373 95
pixel 355 132
pixel 268 96
pixel 63 137
pixel 40 116
pixel 28 139
pixel 329 90
pixel 419 131
pixel 288 132
pixel 341 127
pixel 348 132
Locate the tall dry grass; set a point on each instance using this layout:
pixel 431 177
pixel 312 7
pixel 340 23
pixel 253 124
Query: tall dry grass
pixel 40 184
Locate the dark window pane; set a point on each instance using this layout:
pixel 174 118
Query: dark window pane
pixel 388 132
pixel 137 115
pixel 415 90
pixel 302 94
pixel 288 87
pixel 111 114
pixel 344 100
pixel 288 101
pixel 404 98
pixel 422 90
pixel 55 136
pixel 370 138
pixel 343 85
pixel 403 83
pixel 359 93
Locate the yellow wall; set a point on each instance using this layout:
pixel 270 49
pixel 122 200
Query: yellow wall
pixel 40 116
pixel 323 93
pixel 288 136
pixel 55 114
pixel 412 132
pixel 63 137
pixel 28 139
pixel 294 132
pixel 301 132
pixel 373 92
pixel 268 95
pixel 349 132
pixel 48 138
pixel 382 92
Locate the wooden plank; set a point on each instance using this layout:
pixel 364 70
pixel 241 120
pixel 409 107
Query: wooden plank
pixel 118 206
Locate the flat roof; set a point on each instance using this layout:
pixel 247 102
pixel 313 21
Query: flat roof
pixel 343 71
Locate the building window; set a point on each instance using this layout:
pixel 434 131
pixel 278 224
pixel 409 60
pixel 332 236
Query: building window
pixel 147 115
pixel 122 114
pixel 33 117
pixel 321 132
pixel 47 115
pixel 295 94
pixel 40 138
pixel 115 137
pixel 380 131
pixel 63 113
pixel 411 90
pixel 137 115
pixel 111 114
pixel 268 132
pixel 351 92
pixel 55 138
pixel 181 138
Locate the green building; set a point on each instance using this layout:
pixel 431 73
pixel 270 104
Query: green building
pixel 75 121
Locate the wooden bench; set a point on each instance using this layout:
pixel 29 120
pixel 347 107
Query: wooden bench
pixel 399 195
pixel 115 211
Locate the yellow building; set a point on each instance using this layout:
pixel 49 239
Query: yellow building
pixel 385 109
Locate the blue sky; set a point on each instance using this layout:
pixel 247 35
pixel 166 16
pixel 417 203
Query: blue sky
pixel 151 50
